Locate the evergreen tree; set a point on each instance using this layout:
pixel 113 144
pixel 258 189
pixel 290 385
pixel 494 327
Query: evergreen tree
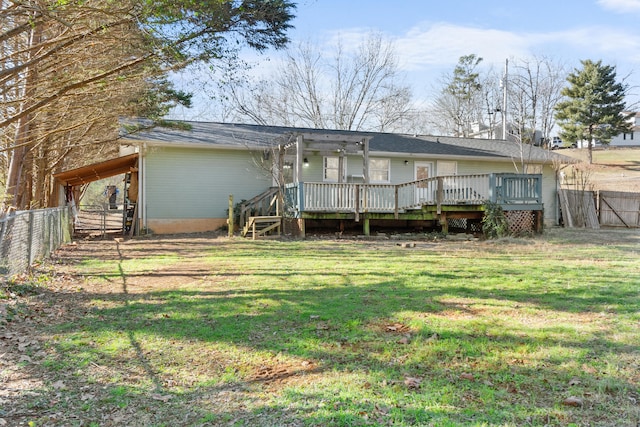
pixel 594 105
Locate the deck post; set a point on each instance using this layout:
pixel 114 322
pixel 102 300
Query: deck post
pixel 493 196
pixel 395 208
pixel 444 223
pixel 300 197
pixel 440 195
pixel 230 220
pixel 365 226
pixel 365 159
pixel 299 158
pixel 539 225
pixel 357 207
pixel 301 227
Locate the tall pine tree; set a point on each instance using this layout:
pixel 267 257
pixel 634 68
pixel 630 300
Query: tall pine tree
pixel 594 105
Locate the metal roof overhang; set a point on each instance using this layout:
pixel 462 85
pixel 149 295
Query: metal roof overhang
pixel 97 171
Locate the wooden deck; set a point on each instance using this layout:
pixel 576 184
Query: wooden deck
pixel 432 199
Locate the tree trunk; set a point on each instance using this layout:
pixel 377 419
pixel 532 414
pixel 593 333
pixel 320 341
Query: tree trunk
pixel 15 172
pixel 590 145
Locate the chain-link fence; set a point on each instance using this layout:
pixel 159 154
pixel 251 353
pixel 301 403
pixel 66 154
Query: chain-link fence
pixel 98 220
pixel 29 236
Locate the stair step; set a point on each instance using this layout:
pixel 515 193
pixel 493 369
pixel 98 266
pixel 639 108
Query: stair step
pixel 261 225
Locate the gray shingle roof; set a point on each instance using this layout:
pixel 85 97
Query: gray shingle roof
pixel 247 135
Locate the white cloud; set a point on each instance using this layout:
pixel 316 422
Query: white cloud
pixel 443 44
pixel 621 6
pixel 598 42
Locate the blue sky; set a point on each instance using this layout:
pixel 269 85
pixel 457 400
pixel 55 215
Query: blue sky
pixel 430 36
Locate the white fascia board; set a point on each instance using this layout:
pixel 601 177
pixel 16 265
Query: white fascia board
pixel 153 143
pixel 422 156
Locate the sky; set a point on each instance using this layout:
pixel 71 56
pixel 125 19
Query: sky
pixel 430 36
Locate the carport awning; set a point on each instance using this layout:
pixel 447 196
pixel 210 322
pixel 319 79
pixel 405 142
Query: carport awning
pixel 97 171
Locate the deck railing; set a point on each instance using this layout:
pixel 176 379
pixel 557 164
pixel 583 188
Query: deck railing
pixel 264 204
pixel 505 189
pixel 517 189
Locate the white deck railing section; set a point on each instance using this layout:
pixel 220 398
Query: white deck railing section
pixel 444 190
pixel 349 197
pixel 467 189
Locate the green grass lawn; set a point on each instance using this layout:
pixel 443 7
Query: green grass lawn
pixel 515 332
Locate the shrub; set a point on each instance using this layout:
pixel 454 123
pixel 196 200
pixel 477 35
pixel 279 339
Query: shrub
pixel 494 222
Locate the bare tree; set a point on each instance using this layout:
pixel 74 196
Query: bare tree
pixel 460 102
pixel 534 90
pixel 356 90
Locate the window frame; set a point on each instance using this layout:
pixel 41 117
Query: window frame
pixel 336 168
pixel 386 170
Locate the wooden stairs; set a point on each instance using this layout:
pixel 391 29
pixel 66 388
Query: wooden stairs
pixel 258 226
pixel 261 215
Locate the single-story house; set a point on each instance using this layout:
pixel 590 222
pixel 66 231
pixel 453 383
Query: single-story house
pixel 631 138
pixel 182 177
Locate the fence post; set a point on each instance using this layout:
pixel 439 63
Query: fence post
pixel 30 240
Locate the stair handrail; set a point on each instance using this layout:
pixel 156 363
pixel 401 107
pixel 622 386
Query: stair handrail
pixel 256 205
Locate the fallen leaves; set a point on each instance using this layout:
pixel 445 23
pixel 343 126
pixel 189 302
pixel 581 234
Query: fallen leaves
pixel 574 381
pixel 412 382
pixel 161 397
pixel 467 376
pixel 396 327
pixel 573 401
pixel 59 385
pixel 404 340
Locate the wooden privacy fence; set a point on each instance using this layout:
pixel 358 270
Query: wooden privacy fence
pixel 590 209
pixel 619 209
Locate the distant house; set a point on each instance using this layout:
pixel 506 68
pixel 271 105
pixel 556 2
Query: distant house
pixel 184 176
pixel 628 139
pixel 482 131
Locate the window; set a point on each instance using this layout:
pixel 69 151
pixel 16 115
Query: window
pixel 447 168
pixel 331 168
pixel 379 170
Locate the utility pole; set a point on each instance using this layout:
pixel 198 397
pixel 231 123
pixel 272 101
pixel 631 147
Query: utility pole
pixel 505 80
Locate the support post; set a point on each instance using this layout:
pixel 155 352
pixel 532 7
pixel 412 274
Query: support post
pixel 365 226
pixel 439 195
pixel 357 202
pixel 539 225
pixel 444 223
pixel 301 227
pixel 230 220
pixel 395 202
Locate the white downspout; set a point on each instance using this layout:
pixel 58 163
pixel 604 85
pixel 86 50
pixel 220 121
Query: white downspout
pixel 143 186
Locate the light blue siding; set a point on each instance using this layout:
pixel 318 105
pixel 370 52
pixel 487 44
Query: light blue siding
pixel 196 183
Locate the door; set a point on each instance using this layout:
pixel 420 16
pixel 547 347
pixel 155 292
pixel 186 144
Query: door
pixel 425 191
